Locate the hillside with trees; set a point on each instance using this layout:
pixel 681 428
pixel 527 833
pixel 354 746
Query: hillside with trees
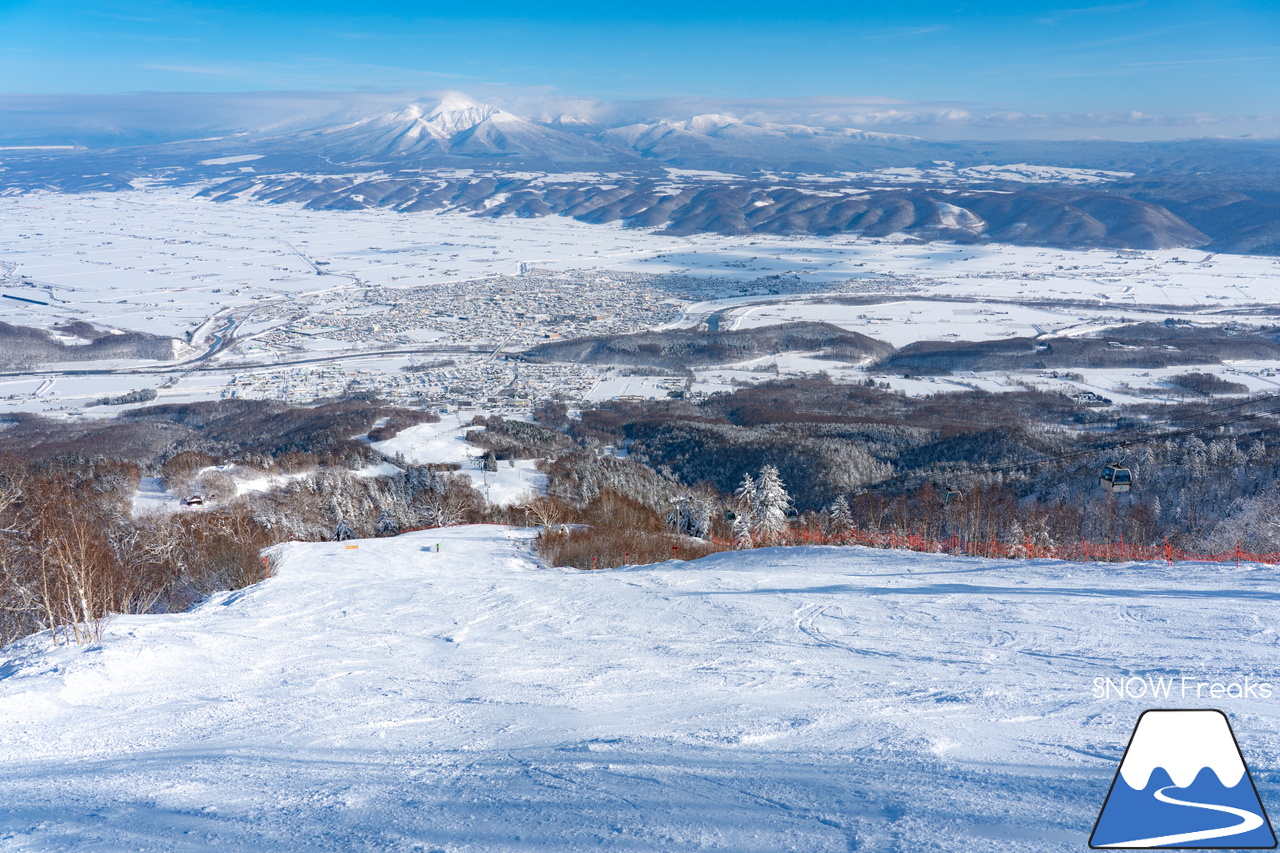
pixel 682 348
pixel 626 482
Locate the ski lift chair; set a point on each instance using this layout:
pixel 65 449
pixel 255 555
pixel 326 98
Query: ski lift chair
pixel 1116 479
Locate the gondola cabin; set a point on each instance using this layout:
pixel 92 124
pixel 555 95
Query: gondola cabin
pixel 1116 479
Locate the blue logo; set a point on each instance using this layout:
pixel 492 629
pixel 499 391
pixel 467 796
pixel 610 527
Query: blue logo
pixel 1183 784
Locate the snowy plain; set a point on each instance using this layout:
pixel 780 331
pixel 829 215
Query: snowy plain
pixel 158 260
pixel 396 697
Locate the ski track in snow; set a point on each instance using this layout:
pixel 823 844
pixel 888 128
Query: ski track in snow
pixel 807 699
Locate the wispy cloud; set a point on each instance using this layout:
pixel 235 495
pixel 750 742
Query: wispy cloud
pixel 904 32
pixel 1200 61
pixel 1060 15
pixel 204 70
pixel 303 72
pixel 1147 34
pixel 116 16
pixel 175 115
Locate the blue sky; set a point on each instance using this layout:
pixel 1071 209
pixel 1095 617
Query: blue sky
pixel 1128 64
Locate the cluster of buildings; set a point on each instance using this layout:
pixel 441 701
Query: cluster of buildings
pixel 515 311
pixel 447 343
pixel 494 384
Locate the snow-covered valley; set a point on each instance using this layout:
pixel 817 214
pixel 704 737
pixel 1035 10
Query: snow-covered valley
pixel 399 697
pixel 274 301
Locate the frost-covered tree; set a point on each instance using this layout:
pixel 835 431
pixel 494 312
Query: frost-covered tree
pixel 342 532
pixel 742 532
pixel 771 504
pixel 745 497
pixel 839 516
pixel 1250 524
pixel 698 518
pixel 690 516
pixel 387 524
pixel 454 503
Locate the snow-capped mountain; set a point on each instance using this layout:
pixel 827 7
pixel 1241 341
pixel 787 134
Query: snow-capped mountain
pixel 723 142
pixel 455 125
pixel 772 178
pixel 727 127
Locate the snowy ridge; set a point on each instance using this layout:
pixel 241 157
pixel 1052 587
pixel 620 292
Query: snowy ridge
pixel 704 131
pixel 455 124
pixel 1183 743
pixel 945 172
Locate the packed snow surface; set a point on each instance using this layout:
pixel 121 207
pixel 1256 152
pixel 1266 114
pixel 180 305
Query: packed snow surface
pixel 396 697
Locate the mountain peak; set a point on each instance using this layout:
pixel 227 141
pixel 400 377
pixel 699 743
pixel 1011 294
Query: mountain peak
pixel 451 104
pixel 708 122
pixel 457 113
pixel 452 125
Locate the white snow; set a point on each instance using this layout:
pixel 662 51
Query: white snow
pixel 944 172
pixel 226 161
pixel 160 261
pixel 390 697
pixel 153 497
pixel 445 442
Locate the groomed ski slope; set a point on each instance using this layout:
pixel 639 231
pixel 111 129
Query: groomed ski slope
pixel 807 699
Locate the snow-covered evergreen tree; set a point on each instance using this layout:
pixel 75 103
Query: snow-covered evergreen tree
pixel 839 516
pixel 771 504
pixel 698 518
pixel 690 516
pixel 742 532
pixel 745 497
pixel 387 524
pixel 343 531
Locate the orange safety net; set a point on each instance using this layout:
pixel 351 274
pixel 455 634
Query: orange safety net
pixel 1112 552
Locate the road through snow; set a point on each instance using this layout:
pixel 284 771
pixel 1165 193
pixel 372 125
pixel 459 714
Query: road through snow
pixel 809 699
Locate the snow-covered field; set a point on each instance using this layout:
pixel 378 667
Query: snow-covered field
pixel 248 276
pixel 514 482
pixel 393 697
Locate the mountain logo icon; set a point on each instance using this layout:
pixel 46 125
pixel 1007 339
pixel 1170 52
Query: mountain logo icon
pixel 1183 784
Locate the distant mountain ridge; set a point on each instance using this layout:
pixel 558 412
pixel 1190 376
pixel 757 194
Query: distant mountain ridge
pixel 455 126
pixel 717 173
pixel 1066 217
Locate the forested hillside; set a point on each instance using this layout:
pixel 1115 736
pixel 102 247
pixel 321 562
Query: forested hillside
pixel 625 482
